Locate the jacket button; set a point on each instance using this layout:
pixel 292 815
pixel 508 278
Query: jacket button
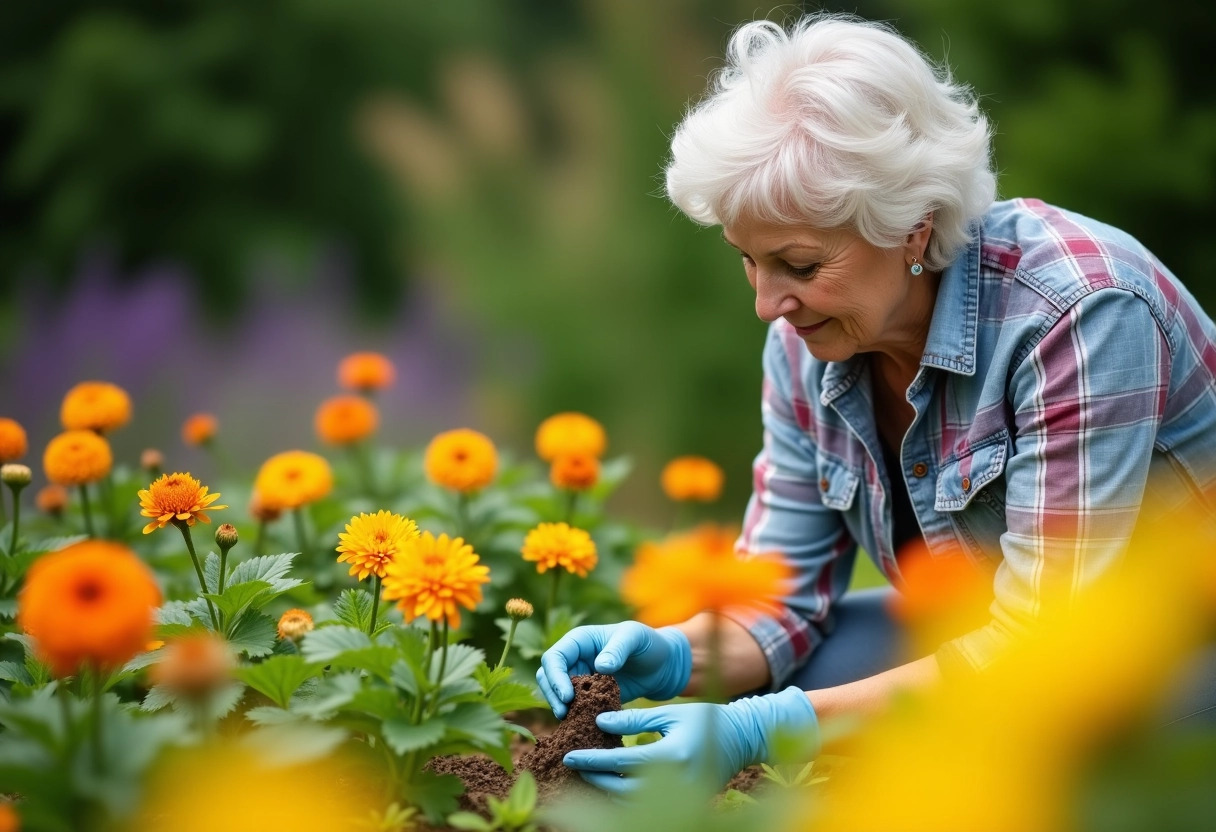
pixel 920 469
pixel 966 483
pixel 823 484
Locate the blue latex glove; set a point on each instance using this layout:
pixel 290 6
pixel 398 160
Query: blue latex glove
pixel 645 662
pixel 708 741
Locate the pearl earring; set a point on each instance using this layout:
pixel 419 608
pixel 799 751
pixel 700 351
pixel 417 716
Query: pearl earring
pixel 916 268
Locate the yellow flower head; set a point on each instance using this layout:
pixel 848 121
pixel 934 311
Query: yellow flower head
pixel 435 577
pixel 194 664
pixel 692 478
pixel 95 405
pixel 551 545
pixel 346 419
pixel 176 497
pixel 570 433
pixel 292 479
pixel 200 429
pixel 463 460
pixel 372 541
pixel 77 457
pixel 366 371
pixel 689 573
pixel 574 472
pixel 294 623
pixel 13 442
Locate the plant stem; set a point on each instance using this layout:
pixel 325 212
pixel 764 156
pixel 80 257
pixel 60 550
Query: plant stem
pixel 430 647
pixel 4 511
pixel 571 502
pixel 462 516
pixel 297 517
pixel 557 576
pixel 12 549
pixel 198 570
pixel 376 582
pixel 65 708
pixel 443 661
pixel 99 757
pixel 107 501
pixel 363 463
pixel 260 541
pixel 88 514
pixel 507 645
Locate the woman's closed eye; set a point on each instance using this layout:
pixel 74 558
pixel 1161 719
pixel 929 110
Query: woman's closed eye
pixel 802 271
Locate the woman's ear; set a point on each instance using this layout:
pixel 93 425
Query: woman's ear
pixel 918 238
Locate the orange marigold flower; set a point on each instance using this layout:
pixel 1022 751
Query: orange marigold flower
pixel 92 603
pixel 77 457
pixel 261 512
pixel 372 541
pixel 175 498
pixel 151 460
pixel 463 460
pixel 200 429
pixel 435 577
pixel 194 664
pixel 574 472
pixel 689 573
pixel 292 479
pixel 293 624
pixel 940 596
pixel 570 433
pixel 346 419
pixel 95 405
pixel 13 442
pixel 10 821
pixel 366 371
pixel 692 478
pixel 52 499
pixel 551 545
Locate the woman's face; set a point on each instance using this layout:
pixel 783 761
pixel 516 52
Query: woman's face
pixel 843 295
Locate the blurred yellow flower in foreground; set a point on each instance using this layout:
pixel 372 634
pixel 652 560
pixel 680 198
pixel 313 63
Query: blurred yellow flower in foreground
pixel 692 478
pixel 435 577
pixel 95 405
pixel 696 571
pixel 558 545
pixel 200 428
pixel 292 479
pixel 13 442
pixel 463 460
pixel 343 420
pixel 77 457
pixel 231 787
pixel 372 541
pixel 176 497
pixel 570 434
pixel 366 372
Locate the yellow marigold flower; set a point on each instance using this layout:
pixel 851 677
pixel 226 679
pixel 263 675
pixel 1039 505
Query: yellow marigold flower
pixel 95 405
pixel 13 442
pixel 574 472
pixel 689 573
pixel 435 577
pixel 346 419
pixel 51 499
pixel 175 497
pixel 77 457
pixel 293 624
pixel 92 603
pixel 194 664
pixel 570 433
pixel 463 460
pixel 292 479
pixel 551 545
pixel 200 429
pixel 372 541
pixel 366 371
pixel 692 478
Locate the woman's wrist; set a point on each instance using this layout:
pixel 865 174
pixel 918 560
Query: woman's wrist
pixel 743 666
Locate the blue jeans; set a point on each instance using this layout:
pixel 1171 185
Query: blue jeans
pixel 866 641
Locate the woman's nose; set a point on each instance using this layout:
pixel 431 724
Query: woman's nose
pixel 773 299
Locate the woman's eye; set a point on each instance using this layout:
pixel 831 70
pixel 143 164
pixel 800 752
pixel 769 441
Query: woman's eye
pixel 804 271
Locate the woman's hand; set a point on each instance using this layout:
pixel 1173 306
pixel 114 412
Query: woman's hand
pixel 707 741
pixel 645 662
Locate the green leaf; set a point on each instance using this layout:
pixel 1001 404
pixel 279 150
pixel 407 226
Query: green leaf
pixel 333 693
pixel 211 572
pixel 488 678
pixel 175 612
pixel 280 745
pixel 269 568
pixel 529 639
pixel 8 608
pixel 462 661
pixel 271 715
pixel 142 660
pixel 278 677
pixel 354 609
pixel 238 597
pixel 13 672
pixel 476 722
pixel 403 676
pixel 470 821
pixel 434 794
pixel 521 802
pixel 403 737
pixel 327 643
pixel 253 634
pixel 512 696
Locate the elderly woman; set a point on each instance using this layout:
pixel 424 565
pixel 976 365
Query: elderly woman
pixel 1008 379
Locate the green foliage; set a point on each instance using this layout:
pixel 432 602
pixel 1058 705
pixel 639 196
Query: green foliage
pixel 511 815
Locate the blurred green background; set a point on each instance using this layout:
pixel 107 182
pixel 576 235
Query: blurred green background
pixel 211 202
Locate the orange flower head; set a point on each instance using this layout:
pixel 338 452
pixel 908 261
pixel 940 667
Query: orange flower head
pixel 366 372
pixel 570 433
pixel 372 541
pixel 292 479
pixel 696 571
pixel 551 545
pixel 434 577
pixel 77 457
pixel 194 664
pixel 261 512
pixel 294 623
pixel 95 405
pixel 940 597
pixel 92 603
pixel 200 429
pixel 574 472
pixel 10 821
pixel 13 442
pixel 692 478
pixel 52 499
pixel 175 498
pixel 463 460
pixel 151 460
pixel 343 420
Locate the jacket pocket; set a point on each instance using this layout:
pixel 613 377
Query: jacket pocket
pixel 962 478
pixel 837 482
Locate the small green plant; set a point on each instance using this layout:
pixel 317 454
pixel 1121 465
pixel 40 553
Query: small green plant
pixel 511 815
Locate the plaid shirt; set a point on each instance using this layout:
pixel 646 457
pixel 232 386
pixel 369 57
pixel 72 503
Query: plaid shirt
pixel 1066 374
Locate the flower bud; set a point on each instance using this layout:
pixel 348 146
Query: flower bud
pixel 226 536
pixel 194 665
pixel 151 460
pixel 519 609
pixel 294 624
pixel 15 475
pixel 52 499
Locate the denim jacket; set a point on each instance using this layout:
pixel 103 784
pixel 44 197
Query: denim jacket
pixel 1066 373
